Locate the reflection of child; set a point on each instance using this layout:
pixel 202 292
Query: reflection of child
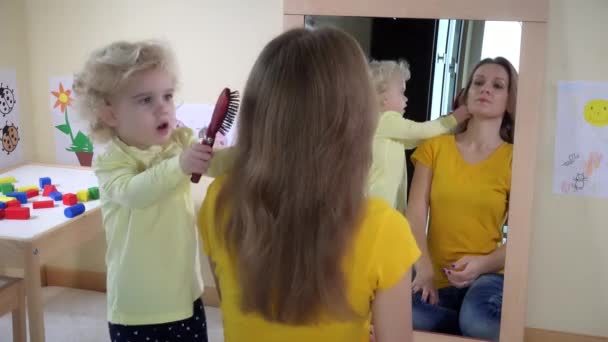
pixel 394 134
pixel 220 139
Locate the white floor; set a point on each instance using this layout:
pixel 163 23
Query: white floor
pixel 80 316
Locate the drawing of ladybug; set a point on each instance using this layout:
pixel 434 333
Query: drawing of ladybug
pixel 10 138
pixel 579 181
pixel 7 99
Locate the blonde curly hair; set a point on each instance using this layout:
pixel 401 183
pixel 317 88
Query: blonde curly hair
pixel 383 71
pixel 107 69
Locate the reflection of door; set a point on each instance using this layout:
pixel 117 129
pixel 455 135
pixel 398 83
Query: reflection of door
pixel 447 56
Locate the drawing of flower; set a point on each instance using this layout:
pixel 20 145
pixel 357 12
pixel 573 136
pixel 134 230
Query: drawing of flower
pixel 63 98
pixel 81 144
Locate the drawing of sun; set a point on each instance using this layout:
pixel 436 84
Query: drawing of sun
pixel 63 97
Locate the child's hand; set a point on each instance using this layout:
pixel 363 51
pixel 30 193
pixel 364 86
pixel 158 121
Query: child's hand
pixel 195 159
pixel 461 113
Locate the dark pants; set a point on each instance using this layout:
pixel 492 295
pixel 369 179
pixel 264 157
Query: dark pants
pixel 193 329
pixel 474 311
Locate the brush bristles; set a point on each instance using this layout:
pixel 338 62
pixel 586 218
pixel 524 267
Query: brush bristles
pixel 233 108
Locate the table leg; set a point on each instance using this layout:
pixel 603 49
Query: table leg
pixel 34 295
pixel 19 321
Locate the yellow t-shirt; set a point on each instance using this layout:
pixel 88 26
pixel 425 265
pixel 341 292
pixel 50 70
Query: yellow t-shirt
pixel 383 250
pixel 148 216
pixel 394 135
pixel 468 202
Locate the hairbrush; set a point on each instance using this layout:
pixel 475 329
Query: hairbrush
pixel 224 113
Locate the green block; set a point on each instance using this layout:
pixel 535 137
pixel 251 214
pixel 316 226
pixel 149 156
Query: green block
pixel 94 193
pixel 6 188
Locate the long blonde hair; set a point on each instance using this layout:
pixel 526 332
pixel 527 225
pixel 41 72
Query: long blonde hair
pixel 296 193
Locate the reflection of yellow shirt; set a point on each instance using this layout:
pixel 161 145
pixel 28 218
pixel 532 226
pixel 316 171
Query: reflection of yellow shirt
pixel 148 216
pixel 394 134
pixel 383 250
pixel 468 202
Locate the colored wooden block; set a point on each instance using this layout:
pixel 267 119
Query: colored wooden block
pixel 70 199
pixel 44 181
pixel 6 188
pixel 56 196
pixel 48 189
pixel 43 204
pixel 94 193
pixel 83 195
pixel 27 188
pixel 3 205
pixel 21 196
pixel 13 203
pixel 7 199
pixel 74 210
pixel 2 214
pixel 8 179
pixel 17 213
pixel 32 193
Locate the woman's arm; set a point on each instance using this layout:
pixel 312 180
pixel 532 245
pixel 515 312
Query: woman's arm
pixel 417 214
pixel 392 312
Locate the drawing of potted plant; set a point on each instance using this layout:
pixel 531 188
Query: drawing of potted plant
pixel 81 144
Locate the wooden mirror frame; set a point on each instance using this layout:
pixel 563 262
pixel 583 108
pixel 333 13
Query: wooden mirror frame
pixel 534 17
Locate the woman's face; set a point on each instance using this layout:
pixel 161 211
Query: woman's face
pixel 489 91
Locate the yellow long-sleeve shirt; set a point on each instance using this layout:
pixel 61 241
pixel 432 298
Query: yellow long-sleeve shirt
pixel 394 135
pixel 148 216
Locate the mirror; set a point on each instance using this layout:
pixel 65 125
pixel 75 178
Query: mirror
pixel 470 187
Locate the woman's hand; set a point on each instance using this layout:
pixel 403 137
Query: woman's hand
pixel 466 270
pixel 461 113
pixel 424 282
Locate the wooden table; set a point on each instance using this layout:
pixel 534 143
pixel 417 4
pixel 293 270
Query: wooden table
pixel 26 245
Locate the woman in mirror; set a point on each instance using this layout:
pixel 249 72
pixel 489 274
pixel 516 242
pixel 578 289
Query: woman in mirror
pixel 461 183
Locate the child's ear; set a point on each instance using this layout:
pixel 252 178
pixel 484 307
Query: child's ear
pixel 107 114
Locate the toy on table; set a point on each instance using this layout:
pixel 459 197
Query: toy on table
pixel 17 213
pixel 3 205
pixel 48 189
pixel 94 193
pixel 82 195
pixel 6 199
pixel 44 181
pixel 8 179
pixel 1 214
pixel 13 203
pixel 21 196
pixel 56 196
pixel 32 193
pixel 7 187
pixel 74 210
pixel 43 204
pixel 70 199
pixel 28 188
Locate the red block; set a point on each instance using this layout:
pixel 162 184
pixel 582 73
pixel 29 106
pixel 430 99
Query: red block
pixel 32 193
pixel 43 204
pixel 20 213
pixel 70 199
pixel 1 214
pixel 48 189
pixel 13 203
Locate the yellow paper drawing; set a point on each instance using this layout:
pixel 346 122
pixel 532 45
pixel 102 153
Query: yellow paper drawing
pixel 596 112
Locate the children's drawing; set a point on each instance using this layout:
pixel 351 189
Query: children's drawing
pixel 79 143
pixel 581 139
pixel 7 99
pixel 12 143
pixel 10 138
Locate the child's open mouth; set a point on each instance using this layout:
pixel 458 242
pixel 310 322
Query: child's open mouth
pixel 163 128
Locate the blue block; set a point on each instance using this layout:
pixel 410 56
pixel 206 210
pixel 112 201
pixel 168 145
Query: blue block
pixel 56 195
pixel 21 196
pixel 44 181
pixel 2 205
pixel 74 210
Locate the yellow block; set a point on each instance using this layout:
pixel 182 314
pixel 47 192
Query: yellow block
pixel 9 179
pixel 6 199
pixel 82 195
pixel 27 188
